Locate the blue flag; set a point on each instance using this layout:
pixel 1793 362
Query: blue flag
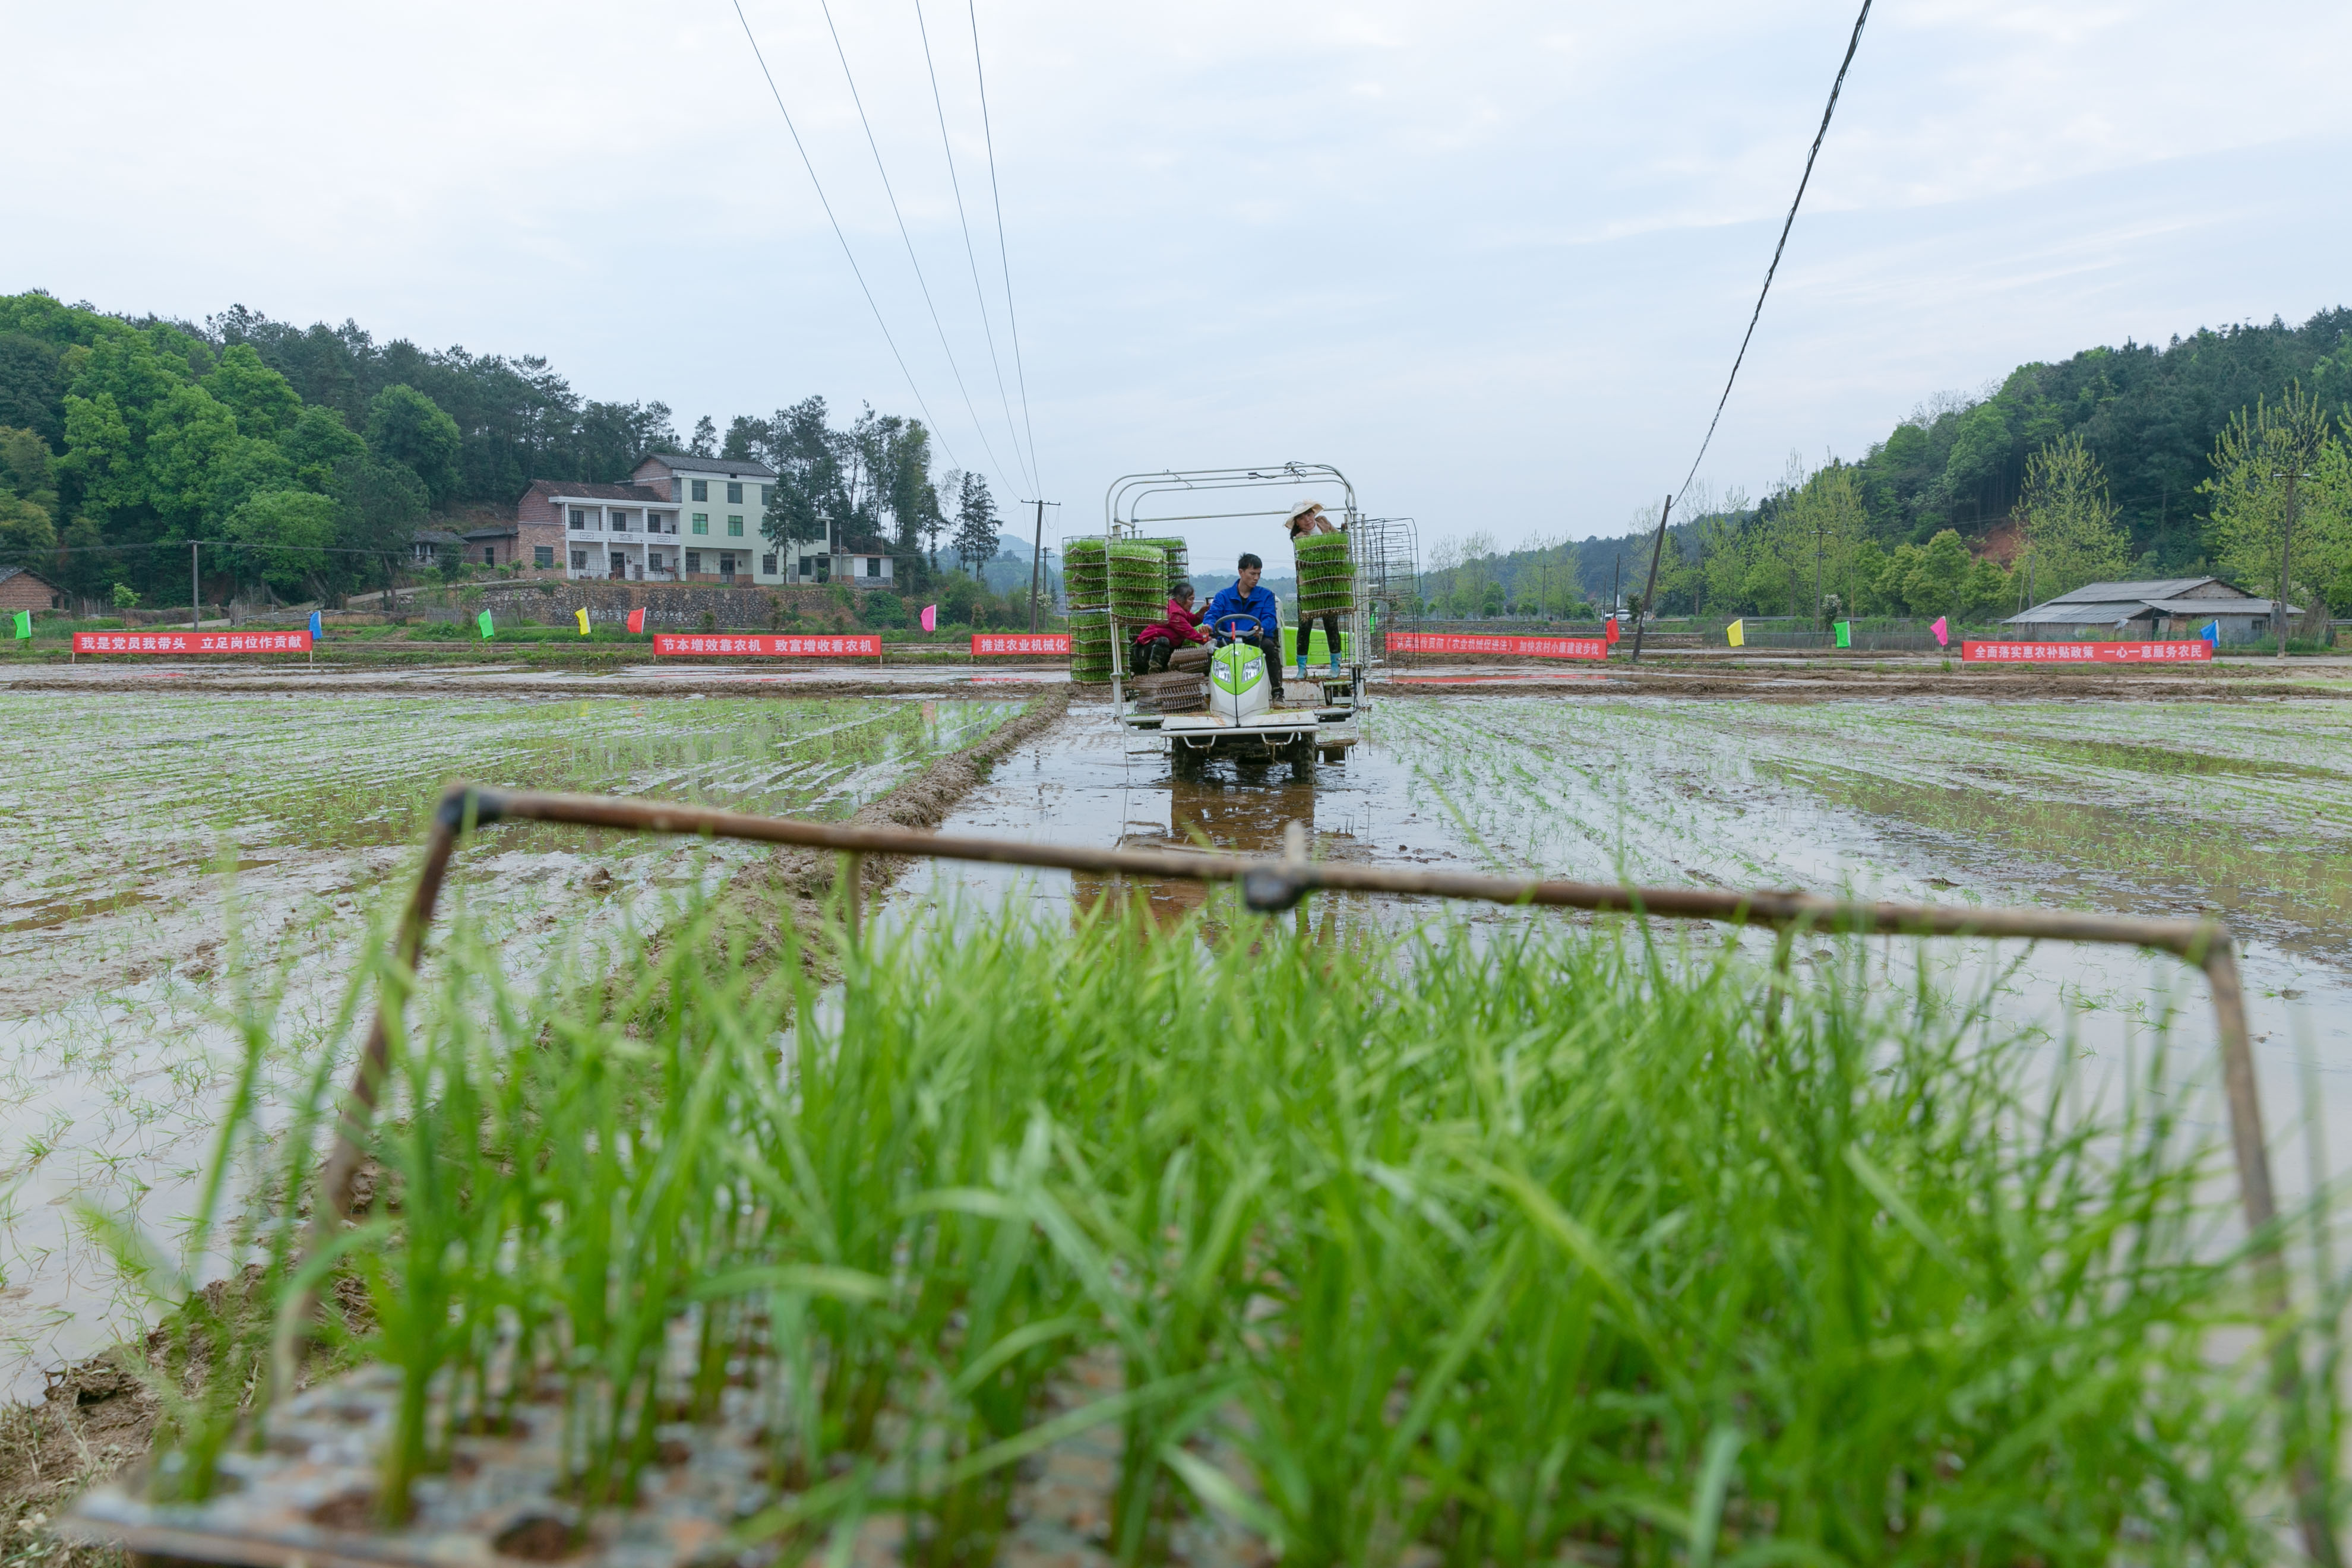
pixel 2212 632
pixel 318 627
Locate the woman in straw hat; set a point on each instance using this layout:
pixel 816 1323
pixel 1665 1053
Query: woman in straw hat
pixel 1306 518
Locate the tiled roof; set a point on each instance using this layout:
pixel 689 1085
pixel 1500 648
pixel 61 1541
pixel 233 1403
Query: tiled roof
pixel 729 468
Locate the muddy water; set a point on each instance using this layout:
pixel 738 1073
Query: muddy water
pixel 154 849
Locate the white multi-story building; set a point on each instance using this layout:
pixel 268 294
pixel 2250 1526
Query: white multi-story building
pixel 682 518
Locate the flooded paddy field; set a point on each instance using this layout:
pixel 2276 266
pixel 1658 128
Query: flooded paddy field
pixel 2148 808
pixel 146 828
pixel 158 850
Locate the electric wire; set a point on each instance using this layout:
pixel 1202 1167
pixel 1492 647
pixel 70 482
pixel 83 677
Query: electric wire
pixel 920 282
pixel 847 252
pixel 996 198
pixel 1836 88
pixel 1029 470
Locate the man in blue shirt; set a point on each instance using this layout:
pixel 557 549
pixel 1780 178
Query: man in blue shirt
pixel 1244 597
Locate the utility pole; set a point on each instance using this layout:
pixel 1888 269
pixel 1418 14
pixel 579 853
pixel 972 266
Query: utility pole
pixel 1651 592
pixel 194 579
pixel 2286 543
pixel 1038 560
pixel 1037 564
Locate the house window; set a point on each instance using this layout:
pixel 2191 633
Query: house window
pixel 702 522
pixel 693 563
pixel 727 566
pixel 655 560
pixel 702 490
pixel 734 495
pixel 735 526
pixel 808 567
pixel 874 567
pixel 580 560
pixel 763 497
pixel 543 555
pixel 489 554
pixel 767 565
pixel 579 517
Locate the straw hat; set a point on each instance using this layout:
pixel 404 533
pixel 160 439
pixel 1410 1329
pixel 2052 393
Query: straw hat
pixel 1302 509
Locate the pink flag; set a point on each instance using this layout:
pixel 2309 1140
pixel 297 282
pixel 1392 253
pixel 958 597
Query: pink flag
pixel 930 617
pixel 1943 633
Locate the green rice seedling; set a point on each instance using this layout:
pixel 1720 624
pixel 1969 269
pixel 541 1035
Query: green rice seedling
pixel 1513 1249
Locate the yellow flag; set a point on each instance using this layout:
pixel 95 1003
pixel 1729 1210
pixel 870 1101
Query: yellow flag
pixel 1736 633
pixel 583 614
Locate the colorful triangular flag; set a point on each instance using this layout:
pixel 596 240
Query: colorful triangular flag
pixel 483 621
pixel 1608 632
pixel 1845 633
pixel 583 614
pixel 318 627
pixel 638 619
pixel 930 617
pixel 2210 632
pixel 1943 631
pixel 1736 634
pixel 23 623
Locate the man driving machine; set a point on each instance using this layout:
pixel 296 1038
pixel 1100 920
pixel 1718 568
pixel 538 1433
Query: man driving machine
pixel 1244 597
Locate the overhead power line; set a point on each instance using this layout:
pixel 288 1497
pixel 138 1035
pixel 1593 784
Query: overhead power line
pixel 1666 509
pixel 1831 108
pixel 1019 372
pixel 920 282
pixel 847 252
pixel 955 183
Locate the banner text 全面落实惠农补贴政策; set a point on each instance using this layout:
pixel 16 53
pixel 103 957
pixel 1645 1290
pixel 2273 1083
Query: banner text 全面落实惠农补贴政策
pixel 1974 652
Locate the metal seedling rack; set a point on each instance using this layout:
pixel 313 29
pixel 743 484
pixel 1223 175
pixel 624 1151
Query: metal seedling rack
pixel 321 1445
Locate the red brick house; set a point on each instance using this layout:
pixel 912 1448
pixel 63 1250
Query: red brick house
pixel 22 589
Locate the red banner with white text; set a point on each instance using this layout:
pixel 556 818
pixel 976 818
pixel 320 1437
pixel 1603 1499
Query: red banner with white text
pixel 794 645
pixel 2086 652
pixel 986 645
pixel 1518 648
pixel 192 642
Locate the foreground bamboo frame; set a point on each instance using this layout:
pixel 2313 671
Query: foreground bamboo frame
pixel 1271 885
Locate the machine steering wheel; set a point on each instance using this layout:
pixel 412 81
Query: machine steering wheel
pixel 1222 626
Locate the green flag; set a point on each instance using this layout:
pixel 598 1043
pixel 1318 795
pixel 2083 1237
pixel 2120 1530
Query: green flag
pixel 1845 633
pixel 23 623
pixel 483 621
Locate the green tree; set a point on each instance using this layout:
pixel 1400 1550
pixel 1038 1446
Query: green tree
pixel 407 427
pixel 1933 584
pixel 284 536
pixel 976 535
pixel 263 402
pixel 28 532
pixel 2248 499
pixel 2070 533
pixel 189 435
pixel 318 443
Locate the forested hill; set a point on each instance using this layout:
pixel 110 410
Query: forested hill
pixel 2150 492
pixel 319 452
pixel 2149 416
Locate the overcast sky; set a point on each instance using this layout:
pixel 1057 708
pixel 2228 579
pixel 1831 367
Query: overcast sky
pixel 1490 260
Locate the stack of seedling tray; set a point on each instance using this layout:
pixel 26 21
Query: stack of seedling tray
pixel 1179 569
pixel 1138 582
pixel 1090 649
pixel 1327 577
pixel 1085 580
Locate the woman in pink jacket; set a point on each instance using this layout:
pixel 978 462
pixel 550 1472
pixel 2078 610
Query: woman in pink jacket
pixel 1156 644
